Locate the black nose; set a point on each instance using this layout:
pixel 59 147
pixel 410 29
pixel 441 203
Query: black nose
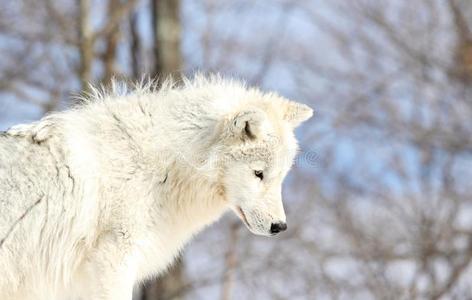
pixel 277 227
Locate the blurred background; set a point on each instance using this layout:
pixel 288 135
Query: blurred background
pixel 379 203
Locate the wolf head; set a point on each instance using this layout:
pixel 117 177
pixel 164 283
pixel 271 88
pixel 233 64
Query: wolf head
pixel 260 147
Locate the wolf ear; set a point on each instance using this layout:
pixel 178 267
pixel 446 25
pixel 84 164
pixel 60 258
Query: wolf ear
pixel 247 124
pixel 295 113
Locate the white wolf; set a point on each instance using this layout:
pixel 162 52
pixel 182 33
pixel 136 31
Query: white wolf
pixel 104 195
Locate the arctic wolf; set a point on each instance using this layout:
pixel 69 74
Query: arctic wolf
pixel 106 194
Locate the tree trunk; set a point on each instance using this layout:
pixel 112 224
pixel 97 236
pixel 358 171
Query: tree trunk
pixel 167 32
pixel 112 40
pixel 231 262
pixel 135 46
pixel 86 44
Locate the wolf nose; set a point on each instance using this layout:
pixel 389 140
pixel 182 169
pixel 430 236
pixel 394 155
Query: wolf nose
pixel 278 227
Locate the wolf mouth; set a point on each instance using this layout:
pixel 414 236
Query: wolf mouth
pixel 242 215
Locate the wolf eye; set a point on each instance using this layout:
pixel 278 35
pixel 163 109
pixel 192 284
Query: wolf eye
pixel 259 174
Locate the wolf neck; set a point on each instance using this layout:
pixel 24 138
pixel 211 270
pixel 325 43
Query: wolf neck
pixel 186 204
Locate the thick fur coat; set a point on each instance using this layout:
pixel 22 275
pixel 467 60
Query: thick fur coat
pixel 99 197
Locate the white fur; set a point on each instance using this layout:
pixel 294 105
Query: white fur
pixel 104 195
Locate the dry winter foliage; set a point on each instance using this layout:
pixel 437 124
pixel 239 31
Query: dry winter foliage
pixel 379 202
